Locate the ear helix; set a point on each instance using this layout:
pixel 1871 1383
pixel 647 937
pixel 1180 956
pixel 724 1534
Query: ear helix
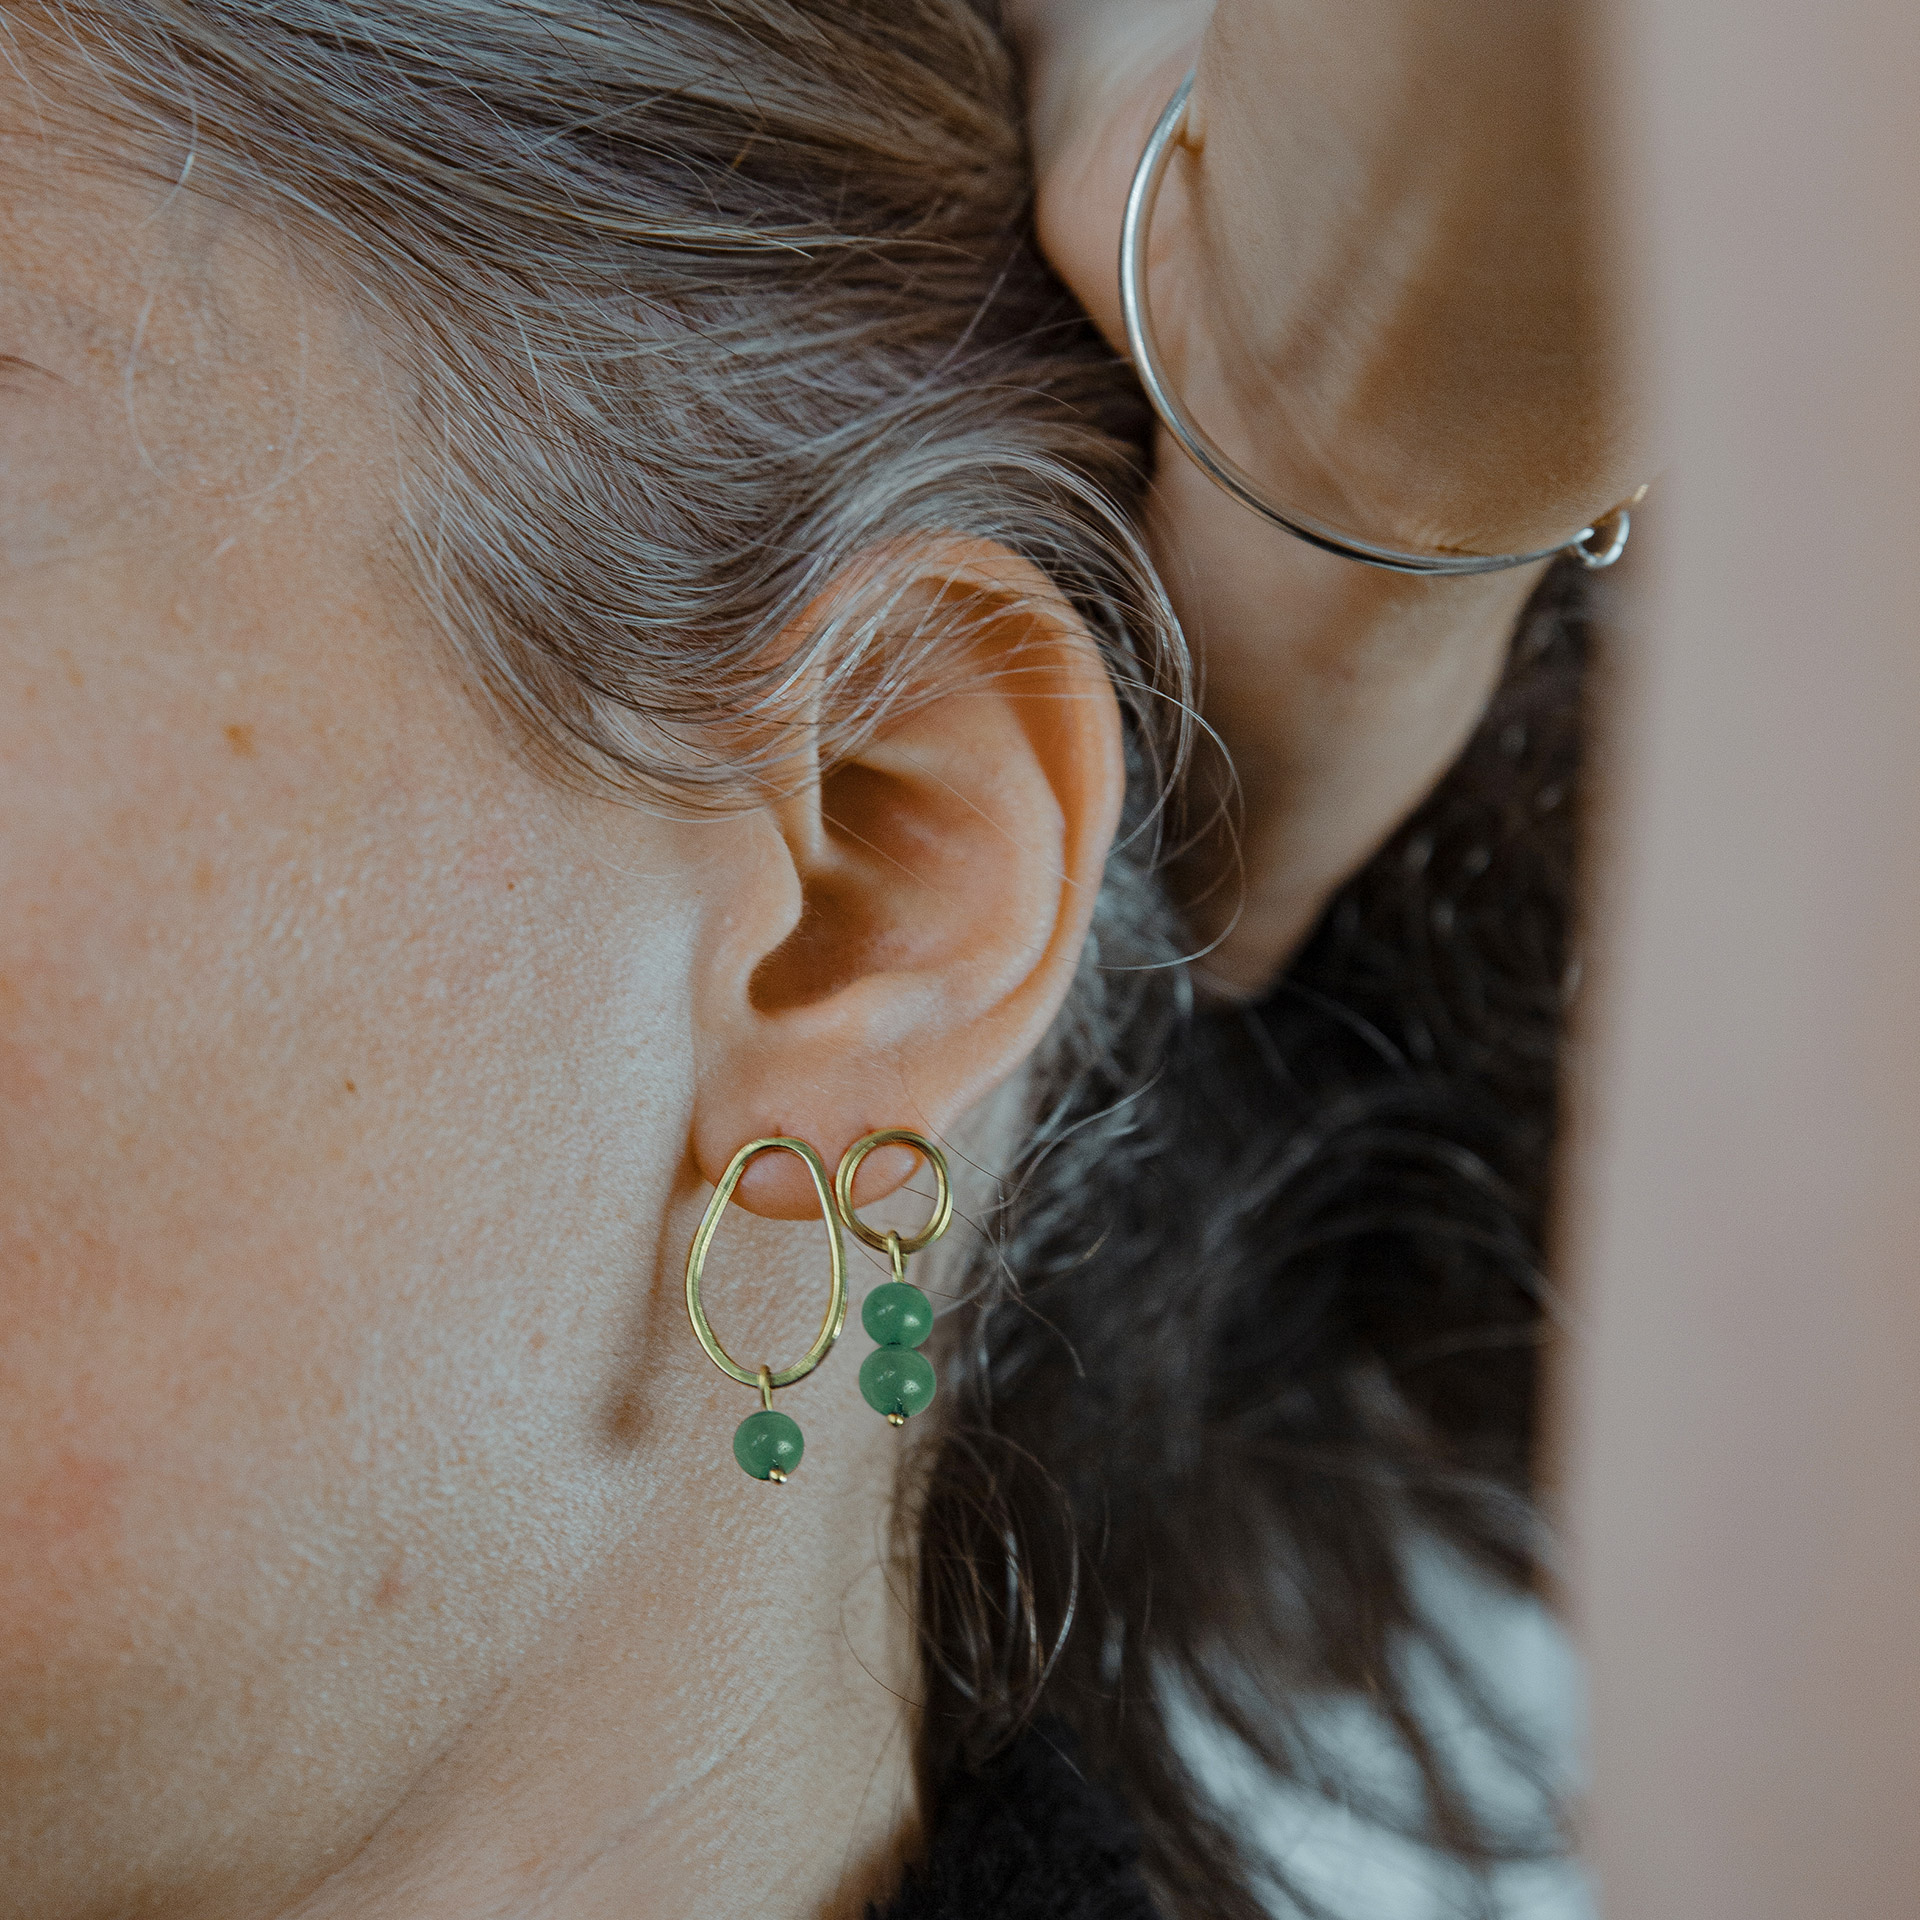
pixel 895 1378
pixel 768 1444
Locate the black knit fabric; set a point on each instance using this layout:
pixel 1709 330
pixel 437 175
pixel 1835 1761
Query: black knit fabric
pixel 1027 1839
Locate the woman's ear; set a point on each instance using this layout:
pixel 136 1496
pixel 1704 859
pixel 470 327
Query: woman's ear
pixel 919 907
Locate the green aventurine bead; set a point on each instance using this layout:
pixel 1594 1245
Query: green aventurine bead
pixel 897 1314
pixel 768 1443
pixel 896 1381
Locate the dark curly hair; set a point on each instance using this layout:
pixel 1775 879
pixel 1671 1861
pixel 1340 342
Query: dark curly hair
pixel 1272 1304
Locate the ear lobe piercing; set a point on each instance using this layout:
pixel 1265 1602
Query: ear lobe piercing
pixel 896 1379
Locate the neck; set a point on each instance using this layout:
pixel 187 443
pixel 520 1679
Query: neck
pixel 717 1727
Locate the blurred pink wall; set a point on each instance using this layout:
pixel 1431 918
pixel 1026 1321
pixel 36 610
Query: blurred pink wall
pixel 1745 1218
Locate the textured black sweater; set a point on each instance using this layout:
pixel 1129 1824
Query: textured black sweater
pixel 1027 1839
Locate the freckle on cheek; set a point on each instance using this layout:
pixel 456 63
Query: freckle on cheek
pixel 78 1497
pixel 240 739
pixel 393 1584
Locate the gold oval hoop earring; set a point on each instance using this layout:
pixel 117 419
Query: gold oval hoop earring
pixel 896 1379
pixel 767 1444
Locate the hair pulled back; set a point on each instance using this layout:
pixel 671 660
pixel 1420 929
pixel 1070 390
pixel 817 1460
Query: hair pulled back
pixel 703 301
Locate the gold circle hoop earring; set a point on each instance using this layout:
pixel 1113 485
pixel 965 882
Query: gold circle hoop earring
pixel 895 1379
pixel 768 1445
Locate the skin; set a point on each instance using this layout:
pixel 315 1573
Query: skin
pixel 369 1541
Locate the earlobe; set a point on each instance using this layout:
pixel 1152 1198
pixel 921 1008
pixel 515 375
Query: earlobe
pixel 935 888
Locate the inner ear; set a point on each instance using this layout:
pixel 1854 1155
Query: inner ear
pixel 844 932
pixel 937 881
pixel 917 854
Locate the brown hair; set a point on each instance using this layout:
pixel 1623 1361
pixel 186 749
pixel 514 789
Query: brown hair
pixel 701 300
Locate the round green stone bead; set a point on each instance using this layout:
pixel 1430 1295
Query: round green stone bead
pixel 766 1442
pixel 897 1314
pixel 897 1381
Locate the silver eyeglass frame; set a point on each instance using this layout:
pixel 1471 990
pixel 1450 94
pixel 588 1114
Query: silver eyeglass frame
pixel 1589 546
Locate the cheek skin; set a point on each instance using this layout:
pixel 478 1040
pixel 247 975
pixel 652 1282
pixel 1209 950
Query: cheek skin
pixel 343 1074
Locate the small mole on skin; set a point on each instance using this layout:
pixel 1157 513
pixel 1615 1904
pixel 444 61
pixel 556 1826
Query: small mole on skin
pixel 351 1088
pixel 240 739
pixel 392 1588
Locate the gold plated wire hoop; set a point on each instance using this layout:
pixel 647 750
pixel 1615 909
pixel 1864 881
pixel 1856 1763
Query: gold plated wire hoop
pixel 764 1377
pixel 889 1242
pixel 895 1378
